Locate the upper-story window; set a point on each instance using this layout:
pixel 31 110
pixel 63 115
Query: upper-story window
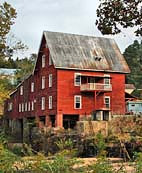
pixel 43 61
pixel 77 79
pixel 32 107
pixel 50 80
pixel 43 82
pixel 43 103
pixel 21 90
pixel 22 107
pixel 77 102
pixel 32 87
pixel 50 60
pixel 107 79
pixel 10 106
pixel 29 106
pixel 107 101
pixel 50 102
pixel 19 107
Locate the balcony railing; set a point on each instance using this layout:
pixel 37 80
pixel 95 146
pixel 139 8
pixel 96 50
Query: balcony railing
pixel 96 87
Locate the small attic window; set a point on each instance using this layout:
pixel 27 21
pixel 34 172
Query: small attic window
pixel 97 58
pixel 43 61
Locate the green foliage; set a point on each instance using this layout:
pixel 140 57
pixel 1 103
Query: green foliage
pixel 138 161
pixel 64 144
pixel 133 56
pixel 113 15
pixel 102 166
pixel 25 67
pixel 8 42
pixel 100 144
pixel 7 160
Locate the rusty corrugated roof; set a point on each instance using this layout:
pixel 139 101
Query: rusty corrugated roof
pixel 85 52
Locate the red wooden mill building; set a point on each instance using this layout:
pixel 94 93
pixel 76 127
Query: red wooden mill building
pixel 75 77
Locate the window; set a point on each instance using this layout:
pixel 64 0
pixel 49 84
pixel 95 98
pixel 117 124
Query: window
pixel 77 102
pixel 43 103
pixel 32 108
pixel 50 80
pixel 10 106
pixel 43 61
pixel 21 90
pixel 43 82
pixel 26 106
pixel 19 107
pixel 29 106
pixel 32 87
pixel 50 60
pixel 107 79
pixel 50 102
pixel 77 79
pixel 107 102
pixel 22 107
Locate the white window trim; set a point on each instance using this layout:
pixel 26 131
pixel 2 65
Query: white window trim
pixel 32 107
pixel 107 75
pixel 29 106
pixel 75 101
pixel 50 102
pixel 21 90
pixel 43 61
pixel 109 100
pixel 75 75
pixel 10 105
pixel 22 107
pixel 19 107
pixel 42 103
pixel 50 80
pixel 43 82
pixel 32 87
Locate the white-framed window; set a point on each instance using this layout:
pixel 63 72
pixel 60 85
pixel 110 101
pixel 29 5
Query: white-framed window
pixel 77 79
pixel 32 87
pixel 43 103
pixel 50 80
pixel 43 82
pixel 22 107
pixel 50 102
pixel 29 106
pixel 10 106
pixel 43 61
pixel 107 101
pixel 21 90
pixel 32 107
pixel 26 106
pixel 19 107
pixel 50 60
pixel 77 102
pixel 107 79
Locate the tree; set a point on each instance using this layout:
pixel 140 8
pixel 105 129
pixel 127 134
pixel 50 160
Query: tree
pixel 115 14
pixel 7 16
pixel 25 67
pixel 9 44
pixel 133 56
pixel 5 88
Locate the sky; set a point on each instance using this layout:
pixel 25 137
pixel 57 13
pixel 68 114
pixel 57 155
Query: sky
pixel 69 16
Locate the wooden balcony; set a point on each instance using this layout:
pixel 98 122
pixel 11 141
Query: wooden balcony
pixel 95 87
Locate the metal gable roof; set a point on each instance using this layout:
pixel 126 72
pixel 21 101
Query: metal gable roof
pixel 85 52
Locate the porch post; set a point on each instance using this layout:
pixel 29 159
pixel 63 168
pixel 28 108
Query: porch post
pixel 59 119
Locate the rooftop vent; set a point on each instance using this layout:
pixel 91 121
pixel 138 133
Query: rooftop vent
pixel 97 58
